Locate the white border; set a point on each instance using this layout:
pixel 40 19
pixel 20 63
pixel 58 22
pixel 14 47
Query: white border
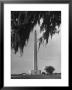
pixel 64 8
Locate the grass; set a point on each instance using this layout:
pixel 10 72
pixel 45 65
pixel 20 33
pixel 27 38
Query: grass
pixel 53 76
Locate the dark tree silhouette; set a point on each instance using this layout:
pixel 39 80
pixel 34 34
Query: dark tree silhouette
pixel 43 73
pixel 49 69
pixel 23 22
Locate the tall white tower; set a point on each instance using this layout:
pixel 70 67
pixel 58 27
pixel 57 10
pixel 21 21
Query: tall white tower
pixel 35 71
pixel 35 51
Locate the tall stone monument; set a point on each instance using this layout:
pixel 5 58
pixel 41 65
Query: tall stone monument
pixel 35 71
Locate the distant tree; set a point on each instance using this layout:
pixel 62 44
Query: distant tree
pixel 49 69
pixel 43 73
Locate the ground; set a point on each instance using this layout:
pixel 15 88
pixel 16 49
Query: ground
pixel 53 76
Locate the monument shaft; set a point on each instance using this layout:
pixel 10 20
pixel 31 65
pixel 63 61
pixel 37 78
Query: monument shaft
pixel 35 71
pixel 35 52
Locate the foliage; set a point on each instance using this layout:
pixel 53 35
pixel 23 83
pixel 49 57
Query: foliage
pixel 23 22
pixel 49 69
pixel 43 73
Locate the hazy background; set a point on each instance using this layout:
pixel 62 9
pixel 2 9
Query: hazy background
pixel 47 55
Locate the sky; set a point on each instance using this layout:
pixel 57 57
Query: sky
pixel 48 55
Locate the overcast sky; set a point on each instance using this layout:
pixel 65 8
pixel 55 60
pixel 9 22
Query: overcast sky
pixel 47 55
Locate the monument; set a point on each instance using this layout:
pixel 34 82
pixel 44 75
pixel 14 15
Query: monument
pixel 35 71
